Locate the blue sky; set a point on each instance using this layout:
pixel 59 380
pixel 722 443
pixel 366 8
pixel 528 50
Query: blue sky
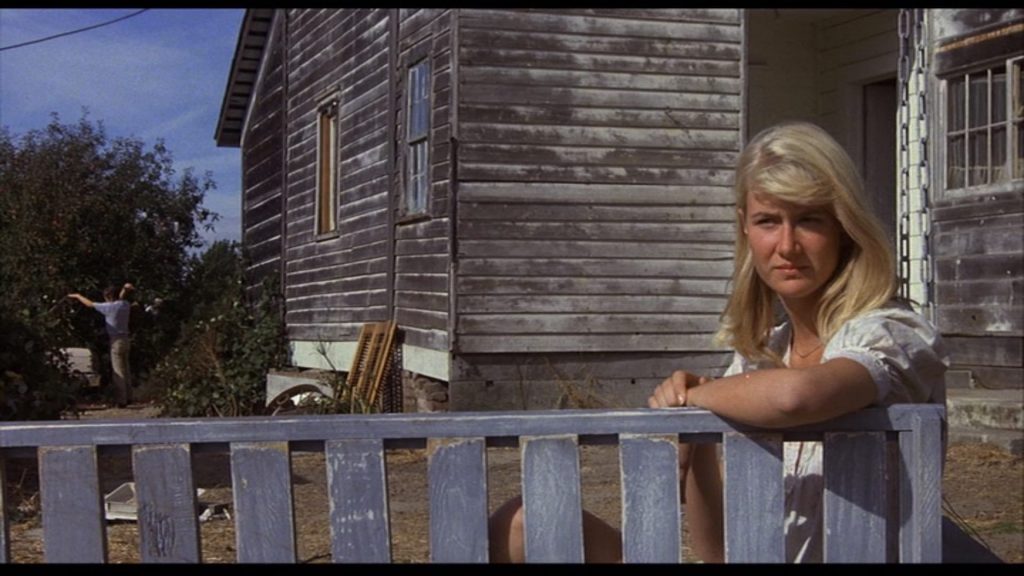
pixel 160 74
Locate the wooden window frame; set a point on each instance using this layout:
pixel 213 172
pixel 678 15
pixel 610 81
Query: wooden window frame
pixel 327 127
pixel 421 140
pixel 1012 122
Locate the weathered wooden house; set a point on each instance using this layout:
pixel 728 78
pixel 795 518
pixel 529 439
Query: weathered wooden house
pixel 541 199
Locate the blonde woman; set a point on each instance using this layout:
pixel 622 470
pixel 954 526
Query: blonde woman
pixel 805 243
pixel 816 331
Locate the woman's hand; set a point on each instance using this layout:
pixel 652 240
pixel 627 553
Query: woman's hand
pixel 672 391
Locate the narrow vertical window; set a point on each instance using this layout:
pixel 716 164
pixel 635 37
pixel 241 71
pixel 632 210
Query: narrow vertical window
pixel 1017 106
pixel 326 172
pixel 417 180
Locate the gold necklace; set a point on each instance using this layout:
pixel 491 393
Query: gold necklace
pixel 792 346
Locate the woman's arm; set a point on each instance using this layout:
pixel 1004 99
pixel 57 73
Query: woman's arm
pixel 774 398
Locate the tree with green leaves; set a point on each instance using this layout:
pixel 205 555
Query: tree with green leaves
pixel 80 211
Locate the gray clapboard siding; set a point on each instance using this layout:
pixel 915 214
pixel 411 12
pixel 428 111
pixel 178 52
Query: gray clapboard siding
pixel 166 496
pixel 509 73
pixel 592 249
pixel 604 63
pixel 530 114
pixel 633 268
pixel 585 194
pixel 606 323
pixel 754 492
pixel 672 14
pixel 552 508
pixel 855 503
pixel 600 25
pixel 484 212
pixel 543 343
pixel 555 135
pixel 262 489
pixel 698 232
pixel 584 304
pixel 571 285
pixel 596 174
pixel 650 484
pixel 74 527
pixel 555 43
pixel 458 501
pixel 421 298
pixel 346 49
pixel 499 94
pixel 357 486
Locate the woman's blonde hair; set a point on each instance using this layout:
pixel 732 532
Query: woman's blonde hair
pixel 799 162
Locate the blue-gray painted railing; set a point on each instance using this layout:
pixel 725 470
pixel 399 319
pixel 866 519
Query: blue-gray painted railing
pixel 354 446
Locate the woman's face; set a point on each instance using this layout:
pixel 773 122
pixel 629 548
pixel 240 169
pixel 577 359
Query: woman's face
pixel 795 248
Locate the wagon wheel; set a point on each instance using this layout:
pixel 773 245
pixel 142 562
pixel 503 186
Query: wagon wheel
pixel 284 403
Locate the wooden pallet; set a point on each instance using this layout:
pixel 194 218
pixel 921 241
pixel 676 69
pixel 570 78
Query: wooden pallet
pixel 371 362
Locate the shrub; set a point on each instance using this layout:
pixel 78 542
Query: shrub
pixel 219 365
pixel 34 377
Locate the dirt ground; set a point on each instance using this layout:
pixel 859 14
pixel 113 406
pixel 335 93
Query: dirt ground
pixel 983 489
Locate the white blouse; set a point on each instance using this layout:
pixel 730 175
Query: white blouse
pixel 907 361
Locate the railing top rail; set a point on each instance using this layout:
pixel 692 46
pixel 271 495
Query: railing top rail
pixel 431 425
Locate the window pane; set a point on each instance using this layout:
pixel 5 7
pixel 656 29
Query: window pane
pixel 1018 97
pixel 955 166
pixel 998 96
pixel 416 190
pixel 956 105
pixel 978 154
pixel 979 100
pixel 999 171
pixel 417 176
pixel 419 91
pixel 1018 170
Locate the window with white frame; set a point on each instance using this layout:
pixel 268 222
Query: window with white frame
pixel 327 166
pixel 417 173
pixel 985 126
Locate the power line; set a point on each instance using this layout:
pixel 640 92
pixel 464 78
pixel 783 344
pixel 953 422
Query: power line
pixel 93 27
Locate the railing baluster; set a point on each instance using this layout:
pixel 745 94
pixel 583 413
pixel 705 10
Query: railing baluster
pixel 855 497
pixel 553 513
pixel 753 491
pixel 74 526
pixel 166 496
pixel 262 489
pixel 5 530
pixel 649 467
pixel 358 490
pixel 921 489
pixel 458 501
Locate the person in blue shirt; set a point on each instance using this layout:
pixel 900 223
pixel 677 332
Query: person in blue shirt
pixel 116 311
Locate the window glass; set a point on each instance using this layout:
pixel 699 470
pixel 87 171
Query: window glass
pixel 417 157
pixel 977 151
pixel 955 166
pixel 998 95
pixel 956 104
pixel 983 124
pixel 999 171
pixel 979 100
